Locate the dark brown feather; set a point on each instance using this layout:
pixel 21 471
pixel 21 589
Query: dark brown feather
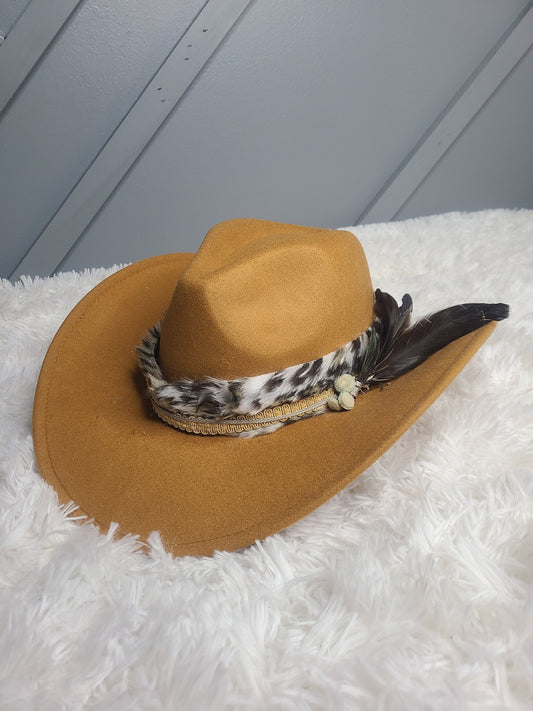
pixel 402 347
pixel 395 346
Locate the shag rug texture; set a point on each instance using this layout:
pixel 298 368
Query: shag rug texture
pixel 412 589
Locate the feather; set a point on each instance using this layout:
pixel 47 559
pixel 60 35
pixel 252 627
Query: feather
pixel 402 347
pixel 391 320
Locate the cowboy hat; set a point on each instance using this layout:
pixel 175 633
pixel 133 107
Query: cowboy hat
pixel 222 396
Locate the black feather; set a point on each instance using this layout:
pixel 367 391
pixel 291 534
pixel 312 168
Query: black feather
pixel 395 347
pixel 393 320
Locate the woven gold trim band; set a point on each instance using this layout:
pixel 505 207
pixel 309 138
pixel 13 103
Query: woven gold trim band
pixel 244 423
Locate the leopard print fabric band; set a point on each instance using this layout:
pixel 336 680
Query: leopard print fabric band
pixel 246 407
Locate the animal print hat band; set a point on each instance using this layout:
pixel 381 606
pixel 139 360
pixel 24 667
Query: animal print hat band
pixel 247 407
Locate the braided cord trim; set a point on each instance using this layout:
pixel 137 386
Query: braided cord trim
pixel 279 414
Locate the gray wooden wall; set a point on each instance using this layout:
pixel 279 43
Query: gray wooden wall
pixel 128 128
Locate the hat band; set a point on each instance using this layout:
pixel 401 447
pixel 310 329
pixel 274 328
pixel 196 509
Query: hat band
pixel 277 415
pixel 246 407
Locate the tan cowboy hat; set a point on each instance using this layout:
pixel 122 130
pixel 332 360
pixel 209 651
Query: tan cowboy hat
pixel 258 397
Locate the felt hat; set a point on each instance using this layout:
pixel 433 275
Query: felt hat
pixel 271 334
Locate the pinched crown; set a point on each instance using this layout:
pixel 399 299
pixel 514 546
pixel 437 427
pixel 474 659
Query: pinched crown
pixel 262 296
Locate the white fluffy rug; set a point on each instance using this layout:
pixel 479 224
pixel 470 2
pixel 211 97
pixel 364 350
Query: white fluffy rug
pixel 412 589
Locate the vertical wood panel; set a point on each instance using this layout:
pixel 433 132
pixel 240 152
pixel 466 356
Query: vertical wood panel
pixel 72 102
pixel 28 40
pixel 490 165
pixel 513 45
pixel 138 127
pixel 10 11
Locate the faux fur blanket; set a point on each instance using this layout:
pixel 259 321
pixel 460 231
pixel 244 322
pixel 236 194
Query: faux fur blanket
pixel 412 589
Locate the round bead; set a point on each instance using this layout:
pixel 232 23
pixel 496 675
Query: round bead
pixel 333 404
pixel 344 382
pixel 346 401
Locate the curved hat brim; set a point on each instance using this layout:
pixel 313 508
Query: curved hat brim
pixel 98 443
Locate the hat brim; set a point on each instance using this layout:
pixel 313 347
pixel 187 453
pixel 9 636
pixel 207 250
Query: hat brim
pixel 98 443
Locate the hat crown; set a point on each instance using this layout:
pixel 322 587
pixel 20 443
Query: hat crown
pixel 262 296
